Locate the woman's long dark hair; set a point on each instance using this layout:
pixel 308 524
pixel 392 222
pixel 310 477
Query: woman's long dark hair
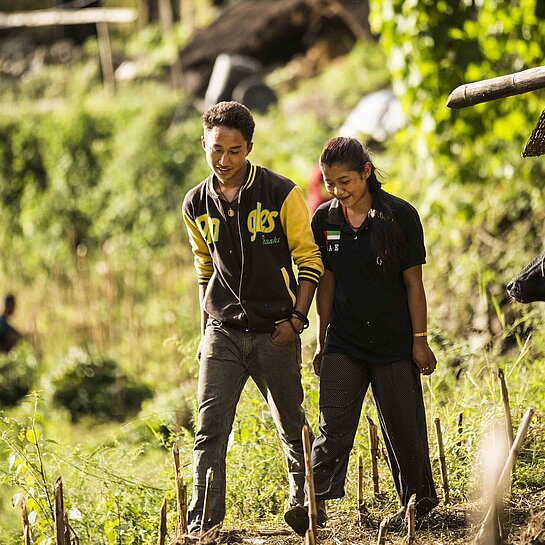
pixel 387 239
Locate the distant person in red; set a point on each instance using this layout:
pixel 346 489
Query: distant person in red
pixel 9 336
pixel 317 193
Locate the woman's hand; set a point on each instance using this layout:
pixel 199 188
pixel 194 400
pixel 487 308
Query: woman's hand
pixel 317 361
pixel 423 356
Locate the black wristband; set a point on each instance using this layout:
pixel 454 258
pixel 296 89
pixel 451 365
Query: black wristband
pixel 301 316
pixel 294 328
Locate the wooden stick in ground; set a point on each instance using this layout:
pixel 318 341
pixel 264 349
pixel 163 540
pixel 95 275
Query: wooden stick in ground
pixel 500 87
pixel 373 449
pixel 163 523
pixel 491 515
pixel 207 498
pixel 442 461
pixel 359 496
pixel 167 22
pixel 460 428
pixel 506 407
pixel 181 495
pixel 411 518
pixel 106 62
pixel 59 512
pixel 67 540
pixel 26 524
pixel 383 531
pixel 310 536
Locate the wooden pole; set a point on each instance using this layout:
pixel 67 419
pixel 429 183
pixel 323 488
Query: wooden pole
pixel 67 540
pixel 310 536
pixel 26 524
pixel 411 518
pixel 383 531
pixel 506 407
pixel 373 449
pixel 181 495
pixel 163 523
pixel 207 499
pixel 53 17
pixel 187 16
pixel 442 461
pixel 460 428
pixel 494 88
pixel 59 513
pixel 359 496
pixel 106 56
pixel 167 22
pixel 490 518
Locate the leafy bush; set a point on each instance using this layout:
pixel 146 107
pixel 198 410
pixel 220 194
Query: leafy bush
pixel 94 385
pixel 17 375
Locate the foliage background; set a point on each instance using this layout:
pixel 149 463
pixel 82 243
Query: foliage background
pixel 92 244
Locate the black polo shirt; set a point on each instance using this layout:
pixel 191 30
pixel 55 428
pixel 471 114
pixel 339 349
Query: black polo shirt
pixel 370 318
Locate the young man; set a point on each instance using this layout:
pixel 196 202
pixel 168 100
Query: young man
pixel 246 224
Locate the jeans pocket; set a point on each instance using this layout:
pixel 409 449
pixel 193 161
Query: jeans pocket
pixel 279 345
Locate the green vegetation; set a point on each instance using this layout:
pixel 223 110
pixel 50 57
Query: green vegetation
pixel 93 245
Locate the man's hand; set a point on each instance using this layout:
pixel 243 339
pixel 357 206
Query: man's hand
pixel 283 333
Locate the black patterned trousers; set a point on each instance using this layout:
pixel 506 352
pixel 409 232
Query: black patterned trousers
pixel 397 391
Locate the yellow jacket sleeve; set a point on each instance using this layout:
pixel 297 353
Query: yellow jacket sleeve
pixel 202 258
pixel 296 224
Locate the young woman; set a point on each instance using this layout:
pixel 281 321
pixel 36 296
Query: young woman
pixel 371 316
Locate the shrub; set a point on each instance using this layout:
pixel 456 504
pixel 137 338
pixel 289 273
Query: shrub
pixel 94 385
pixel 17 375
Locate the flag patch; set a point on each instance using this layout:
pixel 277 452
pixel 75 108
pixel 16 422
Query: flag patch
pixel 332 235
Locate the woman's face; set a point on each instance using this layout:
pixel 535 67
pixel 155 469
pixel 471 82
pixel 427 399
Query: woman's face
pixel 348 186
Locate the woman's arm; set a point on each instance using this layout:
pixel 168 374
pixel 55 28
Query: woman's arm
pixel 416 299
pixel 324 304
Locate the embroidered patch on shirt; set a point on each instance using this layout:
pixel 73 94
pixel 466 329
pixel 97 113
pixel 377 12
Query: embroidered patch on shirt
pixel 332 239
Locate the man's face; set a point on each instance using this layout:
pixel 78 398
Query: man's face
pixel 226 151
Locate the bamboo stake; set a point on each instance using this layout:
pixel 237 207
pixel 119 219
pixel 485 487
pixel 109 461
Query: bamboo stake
pixel 59 513
pixel 105 51
pixel 491 515
pixel 310 536
pixel 207 498
pixel 67 540
pixel 359 496
pixel 383 531
pixel 373 449
pixel 500 87
pixel 506 407
pixel 411 517
pixel 442 461
pixel 163 523
pixel 181 494
pixel 460 428
pixel 26 524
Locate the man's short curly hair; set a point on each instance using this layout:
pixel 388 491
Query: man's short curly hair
pixel 231 114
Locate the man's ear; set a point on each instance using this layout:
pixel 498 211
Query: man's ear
pixel 249 147
pixel 203 143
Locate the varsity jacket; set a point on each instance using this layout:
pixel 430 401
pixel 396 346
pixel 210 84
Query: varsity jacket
pixel 273 224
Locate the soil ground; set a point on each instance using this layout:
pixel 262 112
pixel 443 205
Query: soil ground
pixel 453 525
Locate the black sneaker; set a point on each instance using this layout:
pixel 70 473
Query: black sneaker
pixel 296 518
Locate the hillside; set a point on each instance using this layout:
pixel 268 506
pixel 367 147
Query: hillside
pixel 93 246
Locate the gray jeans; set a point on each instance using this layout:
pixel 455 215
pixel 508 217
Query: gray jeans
pixel 228 357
